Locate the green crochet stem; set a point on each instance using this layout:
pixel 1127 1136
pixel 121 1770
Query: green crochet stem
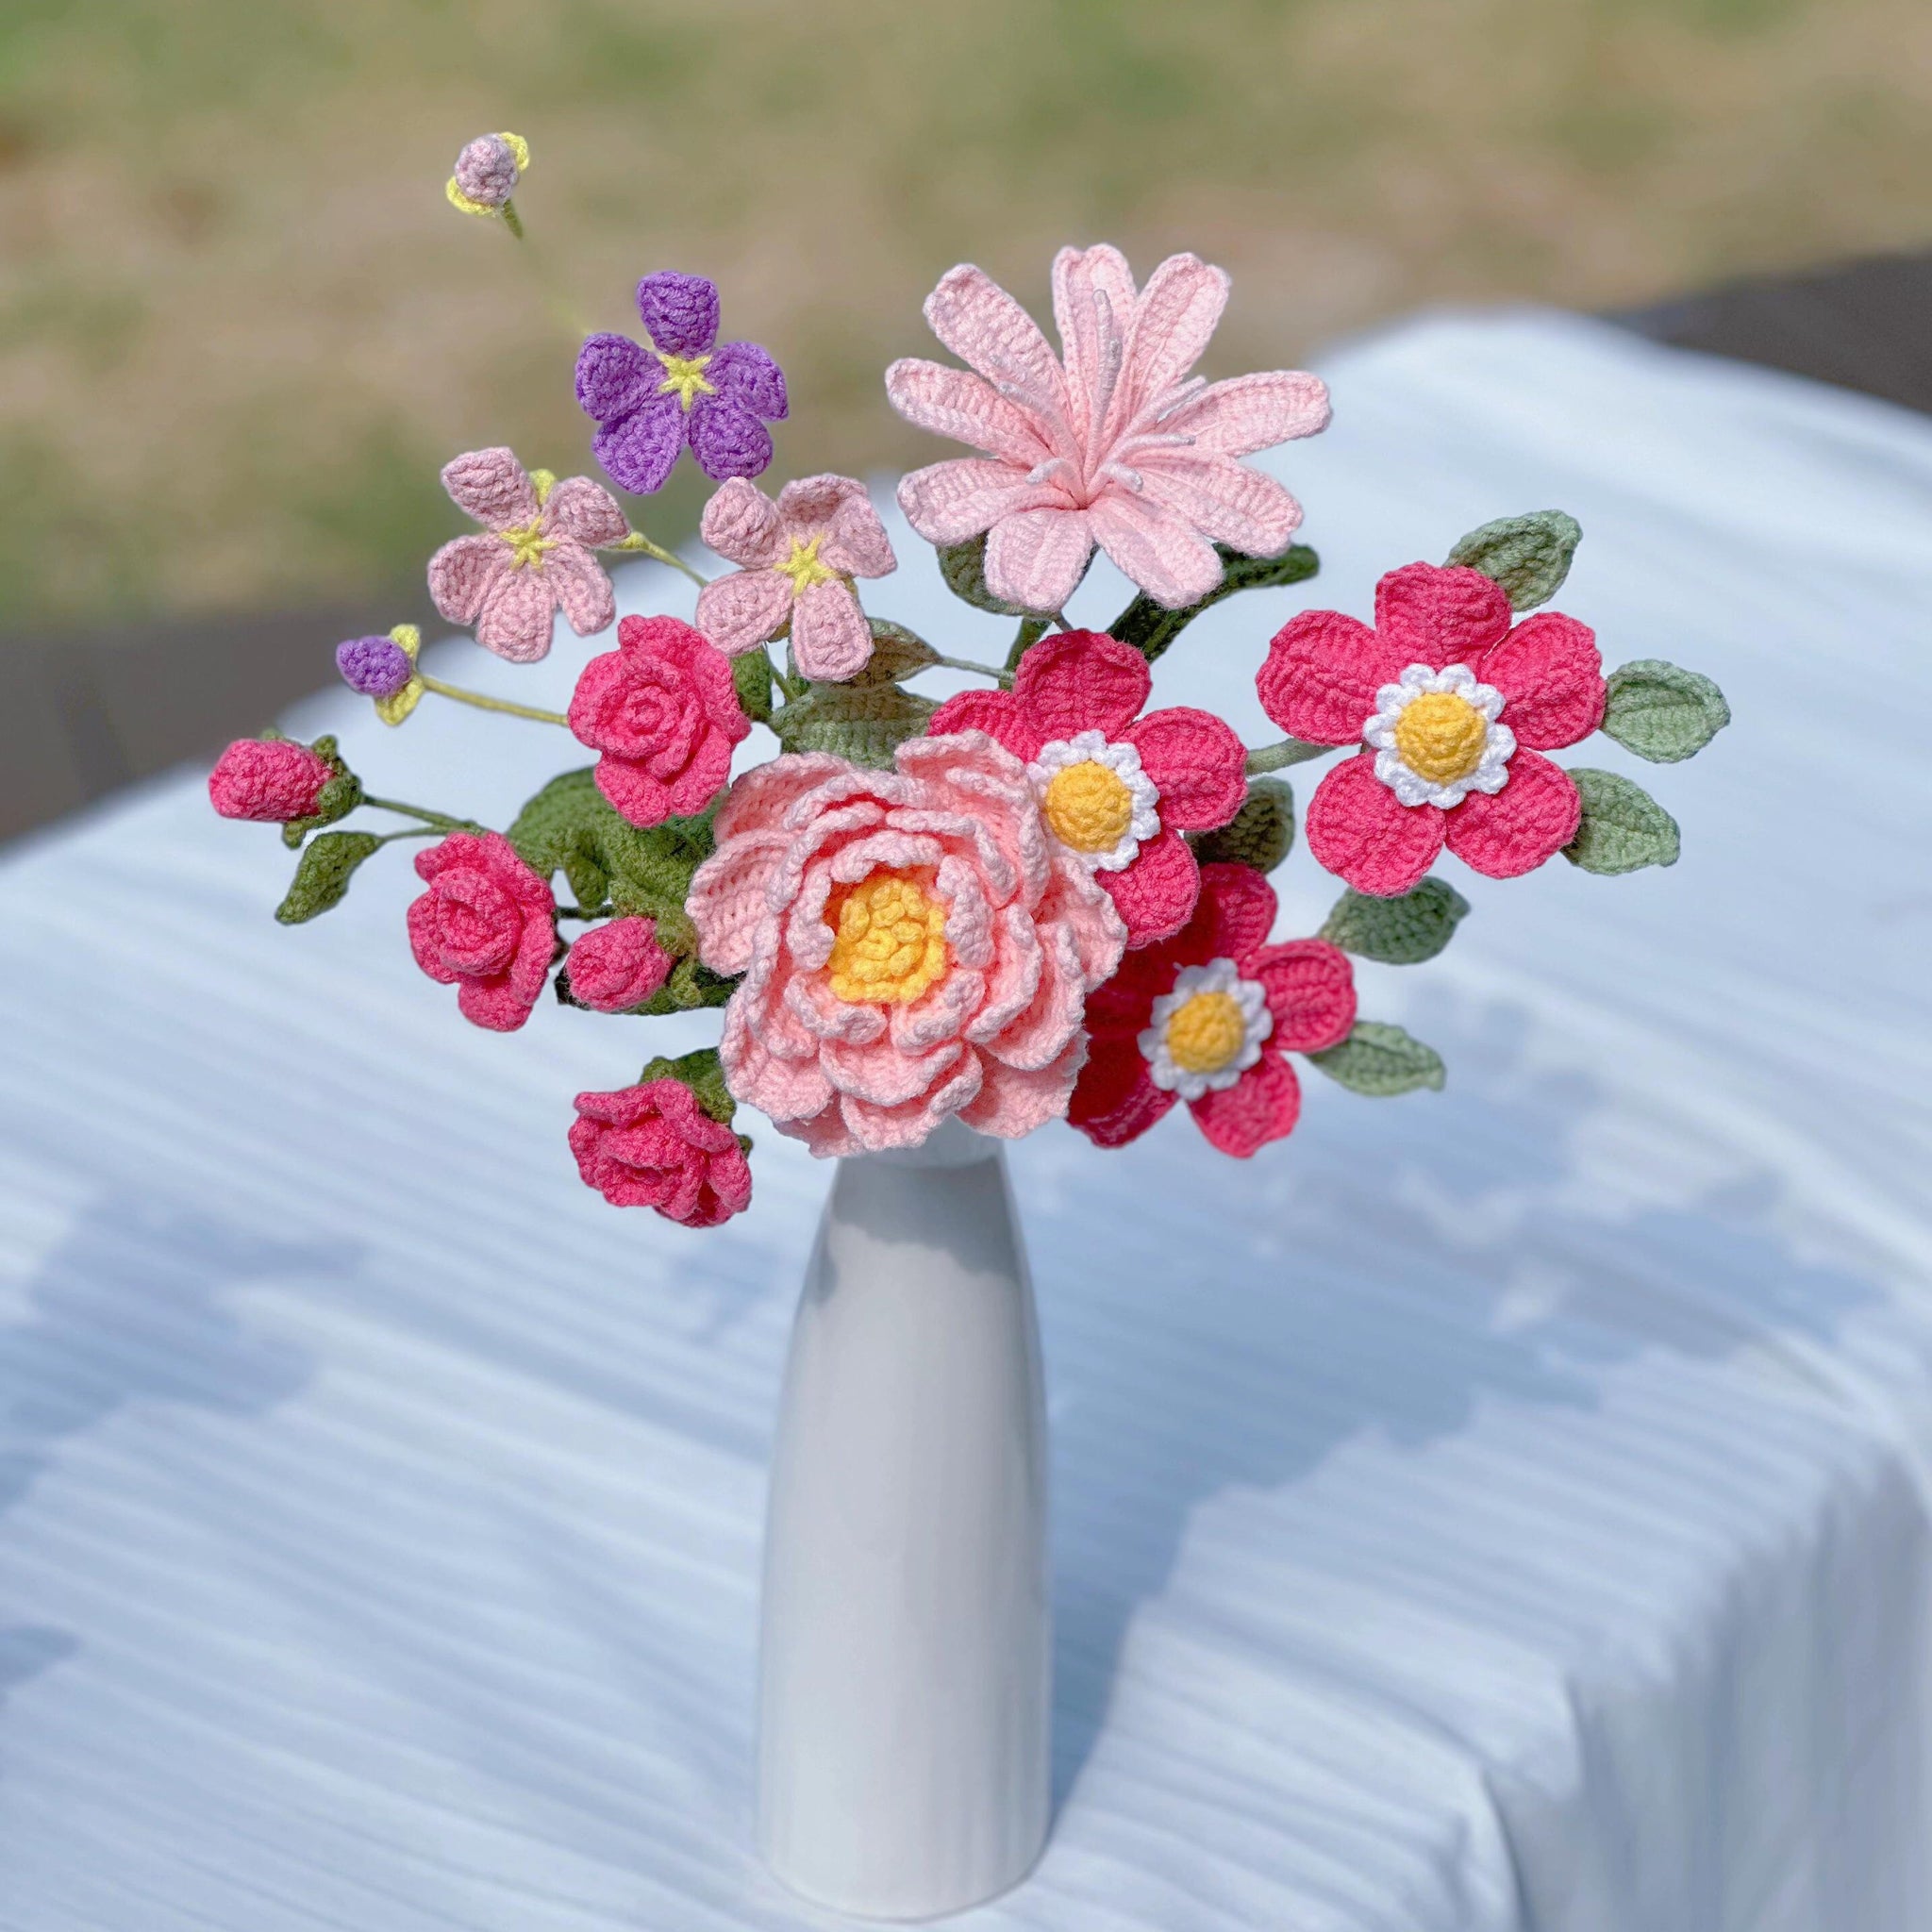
pixel 485 703
pixel 1291 751
pixel 638 541
pixel 991 671
pixel 433 821
pixel 511 220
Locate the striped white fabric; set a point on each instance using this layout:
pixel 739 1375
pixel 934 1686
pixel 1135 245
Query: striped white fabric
pixel 1499 1509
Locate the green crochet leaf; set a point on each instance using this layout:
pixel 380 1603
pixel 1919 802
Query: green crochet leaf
pixel 1662 711
pixel 1150 627
pixel 1260 834
pixel 1624 828
pixel 703 1073
pixel 863 723
pixel 897 652
pixel 1380 1059
pixel 1399 932
pixel 964 566
pixel 690 986
pixel 1528 556
pixel 322 874
pixel 336 800
pixel 752 674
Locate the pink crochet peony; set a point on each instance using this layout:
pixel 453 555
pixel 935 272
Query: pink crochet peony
pixel 1208 1017
pixel 914 945
pixel 1116 446
pixel 617 966
pixel 1453 707
pixel 536 560
pixel 487 925
pixel 270 779
pixel 799 557
pixel 653 1146
pixel 1116 794
pixel 663 709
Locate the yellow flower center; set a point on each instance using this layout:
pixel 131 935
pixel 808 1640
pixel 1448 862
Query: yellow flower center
pixel 1205 1033
pixel 686 375
pixel 1088 807
pixel 805 568
pixel 1440 736
pixel 527 544
pixel 889 939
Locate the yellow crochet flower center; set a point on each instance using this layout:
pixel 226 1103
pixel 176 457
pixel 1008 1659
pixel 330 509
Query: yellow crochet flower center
pixel 1205 1033
pixel 1089 807
pixel 889 939
pixel 527 544
pixel 803 566
pixel 1440 736
pixel 686 375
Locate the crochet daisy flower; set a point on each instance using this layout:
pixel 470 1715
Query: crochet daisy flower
pixel 1114 445
pixel 681 386
pixel 536 560
pixel 1453 710
pixel 1208 1017
pixel 799 559
pixel 1116 790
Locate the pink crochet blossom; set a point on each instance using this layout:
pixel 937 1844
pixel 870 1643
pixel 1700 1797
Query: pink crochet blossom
pixel 653 1146
pixel 487 925
pixel 1116 446
pixel 1209 1017
pixel 617 966
pixel 1115 792
pixel 536 560
pixel 1453 708
pixel 913 945
pixel 799 559
pixel 663 709
pixel 270 779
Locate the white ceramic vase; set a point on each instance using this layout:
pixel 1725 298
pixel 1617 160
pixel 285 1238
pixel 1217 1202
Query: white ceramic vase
pixel 906 1655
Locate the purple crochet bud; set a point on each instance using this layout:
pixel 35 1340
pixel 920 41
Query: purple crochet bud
pixel 486 171
pixel 377 667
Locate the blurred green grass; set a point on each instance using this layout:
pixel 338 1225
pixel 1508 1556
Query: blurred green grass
pixel 240 330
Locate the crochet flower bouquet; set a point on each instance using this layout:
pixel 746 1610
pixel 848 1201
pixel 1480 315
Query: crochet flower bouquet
pixel 1038 900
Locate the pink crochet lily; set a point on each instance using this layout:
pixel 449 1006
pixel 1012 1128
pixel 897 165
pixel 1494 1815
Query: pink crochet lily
pixel 536 560
pixel 799 557
pixel 1114 445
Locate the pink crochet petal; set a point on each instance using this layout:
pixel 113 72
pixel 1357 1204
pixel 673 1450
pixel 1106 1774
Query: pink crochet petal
pixel 878 1128
pixel 857 544
pixel 830 637
pixel 1197 764
pixel 1155 894
pixel 1092 308
pixel 634 791
pixel 1237 911
pixel 1034 559
pixel 956 403
pixel 1262 1106
pixel 947 503
pixel 881 1073
pixel 986 328
pixel 1087 909
pixel 1439 614
pixel 760 800
pixel 462 573
pixel 742 524
pixel 785 1089
pixel 1321 673
pixel 582 591
pixel 1552 680
pixel 1081 680
pixel 739 611
pixel 1037 1036
pixel 704 777
pixel 1311 989
pixel 492 486
pixel 727 898
pixel 516 618
pixel 1253 412
pixel 1015 1101
pixel 1223 499
pixel 1506 833
pixel 1358 829
pixel 1162 552
pixel 1175 316
pixel 585 510
pixel 809 505
pixel 991 711
pixel 1116 1100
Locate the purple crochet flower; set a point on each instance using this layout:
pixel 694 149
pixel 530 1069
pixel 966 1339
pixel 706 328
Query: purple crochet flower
pixel 377 667
pixel 649 402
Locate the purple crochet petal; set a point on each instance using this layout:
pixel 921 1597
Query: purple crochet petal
pixel 728 439
pixel 680 311
pixel 747 375
pixel 639 449
pixel 615 376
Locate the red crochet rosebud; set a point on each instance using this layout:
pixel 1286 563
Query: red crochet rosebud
pixel 268 780
pixel 486 926
pixel 653 1146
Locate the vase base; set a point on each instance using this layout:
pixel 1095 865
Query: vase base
pixel 904 1911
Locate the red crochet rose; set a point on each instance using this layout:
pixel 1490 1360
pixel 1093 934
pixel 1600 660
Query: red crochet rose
pixel 1453 707
pixel 1115 792
pixel 618 966
pixel 486 926
pixel 1208 1017
pixel 653 1146
pixel 663 709
pixel 268 778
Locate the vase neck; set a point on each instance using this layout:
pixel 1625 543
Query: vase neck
pixel 952 1143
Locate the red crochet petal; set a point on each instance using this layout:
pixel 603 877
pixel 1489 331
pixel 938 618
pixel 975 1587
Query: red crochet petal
pixel 1358 829
pixel 1262 1106
pixel 1321 676
pixel 991 711
pixel 1235 909
pixel 1116 1100
pixel 1197 765
pixel 1311 989
pixel 1081 680
pixel 1155 894
pixel 1552 680
pixel 1437 614
pixel 1506 833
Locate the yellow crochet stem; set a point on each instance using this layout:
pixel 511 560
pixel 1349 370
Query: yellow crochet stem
pixel 486 704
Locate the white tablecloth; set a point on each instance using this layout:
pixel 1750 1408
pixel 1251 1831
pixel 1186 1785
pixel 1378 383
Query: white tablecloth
pixel 1500 1508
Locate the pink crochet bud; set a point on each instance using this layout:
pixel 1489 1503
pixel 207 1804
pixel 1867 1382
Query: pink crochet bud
pixel 270 779
pixel 653 1146
pixel 618 966
pixel 486 170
